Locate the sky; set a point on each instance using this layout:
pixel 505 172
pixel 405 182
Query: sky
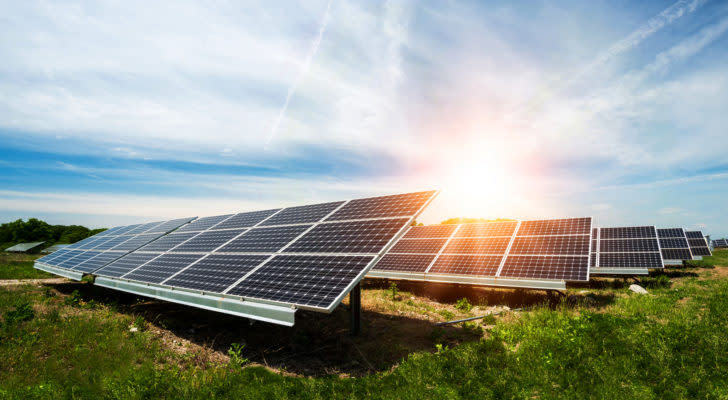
pixel 122 112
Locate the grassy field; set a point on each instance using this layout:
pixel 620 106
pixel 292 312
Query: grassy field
pixel 19 266
pixel 73 340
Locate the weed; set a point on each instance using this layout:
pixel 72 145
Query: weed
pixel 393 290
pixel 473 328
pixel 464 305
pixel 235 352
pixel 22 312
pixel 447 314
pixel 441 349
pixel 489 319
pixel 659 281
pixel 73 300
pixel 140 323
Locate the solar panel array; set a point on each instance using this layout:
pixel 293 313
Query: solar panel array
pixel 307 256
pixel 720 243
pixel 542 250
pixel 698 244
pixel 625 250
pixel 674 245
pixel 92 253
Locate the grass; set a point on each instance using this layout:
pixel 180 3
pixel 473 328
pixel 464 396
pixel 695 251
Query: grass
pixel 19 266
pixel 669 344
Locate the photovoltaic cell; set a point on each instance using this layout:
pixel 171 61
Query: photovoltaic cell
pixel 694 235
pixel 673 243
pixel 208 241
pixel 432 231
pixel 487 229
pixel 383 206
pixel 168 226
pixel 630 232
pixel 670 233
pixel 135 242
pixel 348 237
pixel 676 254
pixel 125 264
pixel 162 267
pixel 422 246
pixel 628 245
pixel 167 242
pixel 202 224
pixel 314 281
pixel 264 240
pixel 567 226
pixel 98 261
pixel 216 272
pixel 466 265
pixel 494 245
pixel 405 262
pixel 302 214
pixel 244 220
pixel 555 245
pixel 545 267
pixel 630 260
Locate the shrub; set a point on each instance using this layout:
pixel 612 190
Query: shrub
pixel 22 312
pixel 463 305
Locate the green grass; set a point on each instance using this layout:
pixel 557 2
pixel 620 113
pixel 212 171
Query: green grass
pixel 670 344
pixel 19 266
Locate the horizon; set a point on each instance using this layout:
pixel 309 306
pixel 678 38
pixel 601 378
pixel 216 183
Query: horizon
pixel 119 114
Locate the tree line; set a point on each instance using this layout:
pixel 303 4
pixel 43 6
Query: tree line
pixel 35 230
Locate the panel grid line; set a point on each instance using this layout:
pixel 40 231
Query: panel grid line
pixel 444 246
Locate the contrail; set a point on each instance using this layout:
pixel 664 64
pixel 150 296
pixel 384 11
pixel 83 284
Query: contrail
pixel 306 66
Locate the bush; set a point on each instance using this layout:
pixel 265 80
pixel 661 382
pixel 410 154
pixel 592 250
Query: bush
pixel 464 305
pixel 22 312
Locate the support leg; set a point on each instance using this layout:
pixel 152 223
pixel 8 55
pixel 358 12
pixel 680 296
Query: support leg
pixel 355 309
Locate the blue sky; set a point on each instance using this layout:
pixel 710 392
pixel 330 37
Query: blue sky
pixel 121 112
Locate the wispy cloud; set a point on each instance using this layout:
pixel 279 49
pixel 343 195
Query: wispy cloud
pixel 304 70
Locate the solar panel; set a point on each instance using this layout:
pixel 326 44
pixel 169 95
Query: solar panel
pixel 302 280
pixel 383 206
pixel 125 264
pixel 168 242
pixel 466 265
pixel 162 267
pixel 698 244
pixel 421 246
pixel 302 214
pixel 204 223
pixel 405 262
pixel 573 268
pixel 503 253
pixel 216 272
pixel 487 229
pixel 208 241
pixel 274 260
pixel 630 260
pixel 674 245
pixel 92 252
pixel 264 240
pixel 98 261
pixel 630 250
pixel 369 236
pixel 496 245
pixel 432 231
pixel 245 220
